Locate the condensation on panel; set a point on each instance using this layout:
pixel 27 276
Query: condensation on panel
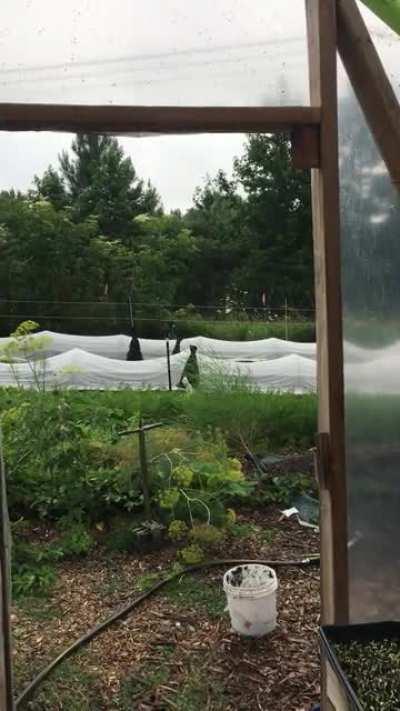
pixel 370 216
pixel 158 52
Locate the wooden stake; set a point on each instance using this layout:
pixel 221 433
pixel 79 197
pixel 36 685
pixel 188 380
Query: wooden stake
pixel 321 25
pixel 370 83
pixel 144 469
pixel 6 686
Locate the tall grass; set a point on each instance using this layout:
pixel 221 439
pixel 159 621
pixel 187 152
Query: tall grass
pixel 262 420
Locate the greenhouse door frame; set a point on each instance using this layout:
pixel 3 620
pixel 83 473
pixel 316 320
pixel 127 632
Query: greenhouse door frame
pixel 332 25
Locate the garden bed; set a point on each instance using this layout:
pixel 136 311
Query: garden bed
pixel 363 664
pixel 176 651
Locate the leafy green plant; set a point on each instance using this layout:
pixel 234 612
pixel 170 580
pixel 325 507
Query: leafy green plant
pixel 33 563
pixel 32 567
pixel 192 555
pixel 206 535
pixel 283 489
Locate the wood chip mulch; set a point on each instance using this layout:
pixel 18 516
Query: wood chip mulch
pixel 170 654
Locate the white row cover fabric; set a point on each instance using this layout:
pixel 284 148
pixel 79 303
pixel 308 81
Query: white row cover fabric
pixel 291 373
pixel 117 346
pixel 87 371
pixel 81 370
pixel 108 346
pixel 263 349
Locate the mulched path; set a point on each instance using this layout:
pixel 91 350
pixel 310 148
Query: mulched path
pixel 205 666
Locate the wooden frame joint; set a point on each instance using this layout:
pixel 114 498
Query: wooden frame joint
pixel 306 152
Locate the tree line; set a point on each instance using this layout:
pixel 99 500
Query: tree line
pixel 90 230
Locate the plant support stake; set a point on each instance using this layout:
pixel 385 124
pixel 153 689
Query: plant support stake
pixel 6 690
pixel 144 469
pixel 169 365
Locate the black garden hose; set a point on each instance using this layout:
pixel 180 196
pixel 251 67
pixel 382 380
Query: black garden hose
pixel 124 611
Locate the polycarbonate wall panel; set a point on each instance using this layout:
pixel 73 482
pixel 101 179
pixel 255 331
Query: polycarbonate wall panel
pixel 158 52
pixel 370 215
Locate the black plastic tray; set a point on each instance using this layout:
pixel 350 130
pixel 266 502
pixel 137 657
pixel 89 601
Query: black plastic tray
pixel 367 632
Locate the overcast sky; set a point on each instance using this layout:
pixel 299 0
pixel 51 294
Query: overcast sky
pixel 176 165
pixel 158 52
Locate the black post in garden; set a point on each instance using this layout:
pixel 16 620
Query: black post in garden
pixel 144 469
pixel 134 352
pixel 169 365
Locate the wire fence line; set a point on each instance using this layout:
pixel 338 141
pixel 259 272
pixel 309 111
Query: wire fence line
pixel 170 307
pixel 233 322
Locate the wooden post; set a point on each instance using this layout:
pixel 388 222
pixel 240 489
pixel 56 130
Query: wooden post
pixel 370 83
pixel 321 25
pixel 169 365
pixel 144 469
pixel 6 686
pixel 286 321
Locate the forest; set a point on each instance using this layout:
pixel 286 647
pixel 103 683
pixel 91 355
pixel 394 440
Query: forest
pixel 91 230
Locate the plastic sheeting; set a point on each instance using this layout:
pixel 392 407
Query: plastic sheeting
pixel 370 217
pixel 291 373
pixel 161 52
pixel 108 346
pixel 117 346
pixel 263 349
pixel 86 371
pixel 82 370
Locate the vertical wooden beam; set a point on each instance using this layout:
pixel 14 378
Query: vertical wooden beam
pixel 6 689
pixel 321 27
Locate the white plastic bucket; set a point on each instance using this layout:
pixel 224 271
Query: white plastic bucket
pixel 251 594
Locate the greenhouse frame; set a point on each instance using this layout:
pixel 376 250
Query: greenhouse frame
pixel 348 135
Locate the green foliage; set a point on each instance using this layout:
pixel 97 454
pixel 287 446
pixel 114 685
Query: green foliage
pixel 197 485
pixel 192 555
pixel 75 540
pixel 30 571
pixel 250 530
pixel 178 530
pixel 206 535
pixel 63 455
pixel 283 489
pixel 101 181
pixel 33 563
pixel 69 687
pixel 91 231
pixel 191 592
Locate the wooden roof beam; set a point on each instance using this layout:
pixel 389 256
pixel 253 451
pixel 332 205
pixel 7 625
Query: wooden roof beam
pixel 155 119
pixel 370 83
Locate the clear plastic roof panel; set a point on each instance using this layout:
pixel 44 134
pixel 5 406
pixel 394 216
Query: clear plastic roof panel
pixel 370 216
pixel 158 52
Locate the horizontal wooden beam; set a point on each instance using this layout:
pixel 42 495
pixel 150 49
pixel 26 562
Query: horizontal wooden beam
pixel 155 119
pixel 370 83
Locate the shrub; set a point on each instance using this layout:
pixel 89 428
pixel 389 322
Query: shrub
pixel 192 555
pixel 197 485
